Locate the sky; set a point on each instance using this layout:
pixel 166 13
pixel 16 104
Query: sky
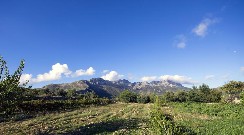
pixel 190 42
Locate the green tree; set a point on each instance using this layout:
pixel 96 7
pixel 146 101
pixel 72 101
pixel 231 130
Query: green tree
pixel 128 96
pixel 215 95
pixel 181 96
pixel 242 97
pixel 143 98
pixel 233 87
pixel 11 91
pixel 71 93
pixel 232 90
pixel 61 92
pixel 169 96
pixel 193 96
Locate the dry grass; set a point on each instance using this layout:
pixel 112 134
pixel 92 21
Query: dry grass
pixel 111 119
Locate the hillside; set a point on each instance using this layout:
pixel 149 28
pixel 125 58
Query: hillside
pixel 105 88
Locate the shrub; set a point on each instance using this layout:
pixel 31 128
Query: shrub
pixel 163 124
pixel 11 91
pixel 143 99
pixel 127 96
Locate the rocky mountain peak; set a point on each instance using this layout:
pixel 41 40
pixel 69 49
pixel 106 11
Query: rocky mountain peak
pixel 113 88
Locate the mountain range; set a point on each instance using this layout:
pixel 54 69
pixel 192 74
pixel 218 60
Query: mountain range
pixel 105 88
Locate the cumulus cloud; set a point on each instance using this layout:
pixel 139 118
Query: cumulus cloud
pixel 202 28
pixel 81 72
pixel 148 78
pixel 178 79
pixel 209 77
pixel 112 76
pixel 57 72
pixel 180 41
pixel 24 78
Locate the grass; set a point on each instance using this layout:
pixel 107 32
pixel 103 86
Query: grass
pixel 132 118
pixel 111 119
pixel 210 119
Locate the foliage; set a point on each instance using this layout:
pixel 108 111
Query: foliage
pixel 128 96
pixel 11 91
pixel 163 124
pixel 90 95
pixel 71 93
pixel 197 94
pixel 181 96
pixel 232 90
pixel 242 97
pixel 205 118
pixel 169 96
pixel 141 98
pixel 233 87
pixel 57 105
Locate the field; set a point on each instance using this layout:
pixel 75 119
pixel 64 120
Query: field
pixel 111 119
pixel 208 118
pixel 133 118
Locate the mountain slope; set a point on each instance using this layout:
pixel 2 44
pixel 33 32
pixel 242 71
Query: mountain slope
pixel 105 88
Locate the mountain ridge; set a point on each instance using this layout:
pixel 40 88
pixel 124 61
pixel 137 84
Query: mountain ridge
pixel 106 88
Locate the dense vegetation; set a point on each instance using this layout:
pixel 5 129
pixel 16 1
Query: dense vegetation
pixel 197 94
pixel 20 102
pixel 11 93
pixel 131 97
pixel 201 110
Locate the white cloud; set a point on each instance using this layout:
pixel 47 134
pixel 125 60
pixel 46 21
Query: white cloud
pixel 112 76
pixel 24 78
pixel 209 77
pixel 81 72
pixel 178 79
pixel 148 78
pixel 57 72
pixel 202 28
pixel 180 41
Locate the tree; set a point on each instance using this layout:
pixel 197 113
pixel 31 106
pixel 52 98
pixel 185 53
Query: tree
pixel 215 95
pixel 181 96
pixel 71 93
pixel 169 96
pixel 11 91
pixel 127 96
pixel 204 88
pixel 232 90
pixel 90 95
pixel 194 96
pixel 233 87
pixel 61 92
pixel 143 98
pixel 242 97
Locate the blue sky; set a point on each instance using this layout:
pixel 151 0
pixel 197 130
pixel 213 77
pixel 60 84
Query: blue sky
pixel 190 42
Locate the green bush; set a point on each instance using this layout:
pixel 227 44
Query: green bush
pixel 57 105
pixel 143 99
pixel 163 124
pixel 128 97
pixel 11 91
